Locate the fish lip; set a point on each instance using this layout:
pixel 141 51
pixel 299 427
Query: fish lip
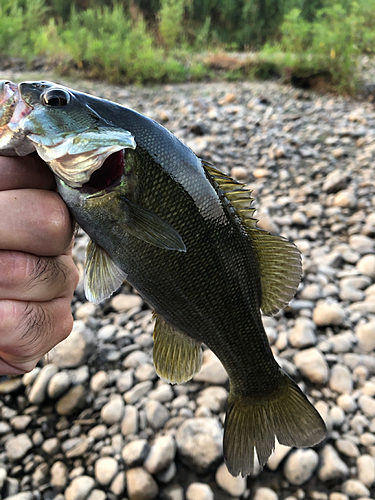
pixel 9 97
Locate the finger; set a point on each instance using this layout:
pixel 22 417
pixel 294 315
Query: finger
pixel 34 221
pixel 38 279
pixel 25 172
pixel 28 330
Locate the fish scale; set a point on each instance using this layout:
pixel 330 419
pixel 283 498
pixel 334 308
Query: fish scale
pixel 183 234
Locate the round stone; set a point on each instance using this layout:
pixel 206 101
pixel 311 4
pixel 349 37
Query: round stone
pixel 79 488
pixel 366 265
pixel 141 485
pixel 366 470
pixel 199 491
pixel 157 414
pixel 161 454
pixel 38 391
pixel 312 365
pixel 300 466
pixel 235 486
pixel 18 446
pixel 355 489
pixel 106 469
pixel 341 380
pixel 199 443
pixel 123 303
pixel 366 336
pixel 328 313
pixel 332 467
pixel 59 475
pixel 264 493
pixel 113 411
pixel 71 401
pixel 98 381
pixel 135 452
pixel 58 385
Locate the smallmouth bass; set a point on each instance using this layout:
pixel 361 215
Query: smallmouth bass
pixel 184 235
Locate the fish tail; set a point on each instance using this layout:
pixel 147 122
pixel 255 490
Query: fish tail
pixel 252 423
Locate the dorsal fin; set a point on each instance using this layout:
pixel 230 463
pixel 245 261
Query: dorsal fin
pixel 279 260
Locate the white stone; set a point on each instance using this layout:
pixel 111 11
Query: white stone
pixel 17 447
pixel 300 466
pixel 264 493
pixel 106 469
pixel 199 491
pixel 79 488
pixel 303 333
pixel 341 380
pixel 212 370
pixel 367 405
pixel 113 411
pixel 332 467
pixel 366 265
pixel 312 364
pixel 328 313
pixel 278 455
pixel 355 489
pixel 366 336
pixel 366 470
pixel 38 391
pixel 123 303
pixel 161 454
pixel 235 486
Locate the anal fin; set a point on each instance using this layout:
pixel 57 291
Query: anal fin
pixel 177 357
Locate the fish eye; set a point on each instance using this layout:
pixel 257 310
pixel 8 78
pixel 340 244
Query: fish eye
pixel 55 97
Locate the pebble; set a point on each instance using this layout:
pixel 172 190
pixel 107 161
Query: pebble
pixel 300 466
pixel 332 468
pixel 326 314
pixel 199 491
pixel 199 443
pixel 264 493
pixel 278 455
pixel 355 489
pixel 235 486
pixel 74 350
pixel 58 385
pixel 366 265
pixel 18 446
pixel 106 469
pixel 212 370
pixel 71 401
pixel 312 365
pixel 38 390
pixel 213 397
pixel 137 392
pixel 98 381
pixel 123 303
pixel 366 336
pixel 161 454
pixel 303 333
pixel 79 488
pixel 141 485
pixel 367 405
pixel 113 411
pixel 118 484
pixel 340 379
pixel 366 470
pixel 59 475
pixel 135 452
pixel 129 423
pixel 347 447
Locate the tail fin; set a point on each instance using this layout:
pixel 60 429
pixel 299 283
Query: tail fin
pixel 253 423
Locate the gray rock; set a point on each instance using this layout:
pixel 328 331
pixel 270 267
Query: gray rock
pixel 199 491
pixel 38 391
pixel 145 372
pixel 355 489
pixel 106 469
pixel 235 486
pixel 99 380
pixel 58 385
pixel 157 415
pixel 328 313
pixel 303 333
pixel 106 332
pixel 366 336
pixel 135 452
pixel 341 379
pixel 113 411
pixel 163 393
pixel 17 447
pixel 212 370
pixel 213 397
pixel 161 454
pixel 123 303
pixel 332 467
pixel 137 392
pixel 79 488
pixel 129 423
pixel 166 475
pixel 118 484
pixel 199 443
pixel 71 401
pixel 141 485
pixel 40 475
pixel 312 365
pixel 74 350
pixel 264 493
pixel 59 476
pixel 300 466
pixel 51 446
pixel 125 381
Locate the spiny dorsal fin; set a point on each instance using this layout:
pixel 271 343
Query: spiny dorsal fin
pixel 279 259
pixel 102 275
pixel 177 357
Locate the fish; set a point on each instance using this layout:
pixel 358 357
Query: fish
pixel 184 235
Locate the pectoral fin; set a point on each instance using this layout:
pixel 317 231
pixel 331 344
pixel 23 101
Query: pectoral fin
pixel 147 226
pixel 102 275
pixel 177 357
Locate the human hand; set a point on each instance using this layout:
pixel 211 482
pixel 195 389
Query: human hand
pixel 37 272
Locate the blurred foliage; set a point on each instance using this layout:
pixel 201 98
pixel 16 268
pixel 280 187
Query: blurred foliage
pixel 163 40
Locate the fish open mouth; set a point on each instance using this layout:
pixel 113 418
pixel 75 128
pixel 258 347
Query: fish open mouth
pixel 8 101
pixel 108 175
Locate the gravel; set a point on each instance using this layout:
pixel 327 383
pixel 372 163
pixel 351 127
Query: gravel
pixel 93 422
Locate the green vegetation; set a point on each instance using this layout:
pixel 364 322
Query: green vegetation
pixel 175 40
